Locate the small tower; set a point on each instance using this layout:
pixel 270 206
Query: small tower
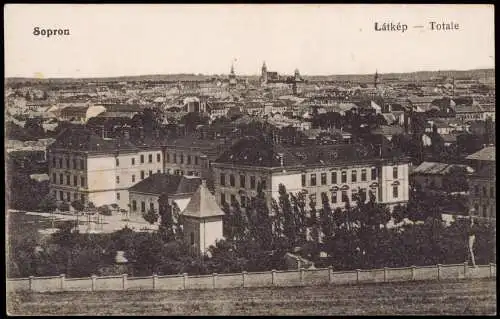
pixel 375 80
pixel 263 77
pixel 202 220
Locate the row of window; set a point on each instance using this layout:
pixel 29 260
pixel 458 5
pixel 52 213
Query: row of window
pixel 143 206
pixel 180 158
pixel 75 180
pixel 484 193
pixel 485 212
pixel 143 175
pixel 141 158
pixel 242 180
pixel 343 177
pixel 181 172
pixel 67 163
pixel 60 195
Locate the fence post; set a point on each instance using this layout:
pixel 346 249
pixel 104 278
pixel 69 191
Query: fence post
pixel 439 271
pixel 243 275
pixel 214 279
pixel 330 274
pixel 413 273
pixel 94 278
pixel 31 282
pixel 466 269
pixel 273 273
pixel 124 281
pixel 155 279
pixel 385 274
pixel 301 273
pixel 62 276
pixel 491 270
pixel 357 275
pixel 184 280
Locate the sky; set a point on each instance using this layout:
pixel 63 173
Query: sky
pixel 132 39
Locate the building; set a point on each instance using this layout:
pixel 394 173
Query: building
pixel 482 183
pixel 87 167
pixel 81 113
pixel 202 220
pixel 436 178
pixel 340 171
pixel 145 194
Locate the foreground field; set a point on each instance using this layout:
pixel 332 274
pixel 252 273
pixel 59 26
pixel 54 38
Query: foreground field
pixel 445 298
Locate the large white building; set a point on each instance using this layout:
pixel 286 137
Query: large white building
pixel 339 171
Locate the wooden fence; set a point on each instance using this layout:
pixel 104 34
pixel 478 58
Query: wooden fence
pixel 302 277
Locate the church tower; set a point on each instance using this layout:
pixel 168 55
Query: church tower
pixel 263 78
pixel 375 80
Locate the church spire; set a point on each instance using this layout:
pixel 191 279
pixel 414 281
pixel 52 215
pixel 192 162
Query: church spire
pixel 375 80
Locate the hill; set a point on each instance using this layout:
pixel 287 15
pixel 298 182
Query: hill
pixel 469 297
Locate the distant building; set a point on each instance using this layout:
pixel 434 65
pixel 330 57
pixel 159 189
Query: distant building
pixel 81 113
pixel 482 183
pixel 435 178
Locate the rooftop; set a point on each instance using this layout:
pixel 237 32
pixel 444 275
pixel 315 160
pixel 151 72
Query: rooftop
pixel 486 154
pixel 434 168
pixel 202 204
pixel 161 183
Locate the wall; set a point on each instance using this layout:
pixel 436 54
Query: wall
pixel 305 277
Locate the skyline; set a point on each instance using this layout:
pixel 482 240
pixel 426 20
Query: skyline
pixel 206 39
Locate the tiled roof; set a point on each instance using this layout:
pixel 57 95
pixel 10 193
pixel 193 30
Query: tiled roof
pixel 160 183
pixel 85 140
pixel 486 154
pixel 438 168
pixel 202 204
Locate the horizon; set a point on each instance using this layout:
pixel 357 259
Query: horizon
pixel 191 39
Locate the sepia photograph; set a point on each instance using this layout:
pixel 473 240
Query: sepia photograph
pixel 249 159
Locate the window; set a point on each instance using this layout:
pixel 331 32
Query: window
pixel 222 198
pixel 74 164
pixel 233 199
pixel 252 182
pixel 68 196
pixel 158 157
pixel 182 158
pixel 334 197
pixel 68 178
pixel 117 162
pixel 53 161
pixel 175 158
pixel 143 207
pixel 374 174
pixel 61 179
pixel 142 175
pixel 67 163
pixel 134 205
pixel 243 201
pixel 362 194
pixel 354 177
pixel 118 196
pixel 82 164
pixel 82 198
pixel 75 180
pixel 334 177
pixel 344 196
pixel 117 179
pixel 485 192
pixel 263 183
pixel 223 179
pixel 158 171
pixel 142 159
pixel 313 180
pixel 132 160
pixel 303 180
pixel 82 181
pixel 395 192
pixel 192 238
pixel 150 158
pixel 344 177
pixel 150 172
pixel 323 178
pixel 168 157
pixel 75 196
pixel 60 163
pixel 231 180
pixel 242 181
pixel 395 172
pixel 476 190
pixel 189 159
pixel 133 178
pixel 196 160
pixel 61 196
pixel 363 175
pixel 54 178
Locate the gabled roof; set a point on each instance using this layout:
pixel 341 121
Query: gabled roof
pixel 486 154
pixel 435 168
pixel 202 204
pixel 161 183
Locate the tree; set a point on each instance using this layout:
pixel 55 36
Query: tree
pixel 49 204
pixel 151 216
pixel 166 227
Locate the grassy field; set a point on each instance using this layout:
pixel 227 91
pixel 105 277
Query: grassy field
pixel 469 297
